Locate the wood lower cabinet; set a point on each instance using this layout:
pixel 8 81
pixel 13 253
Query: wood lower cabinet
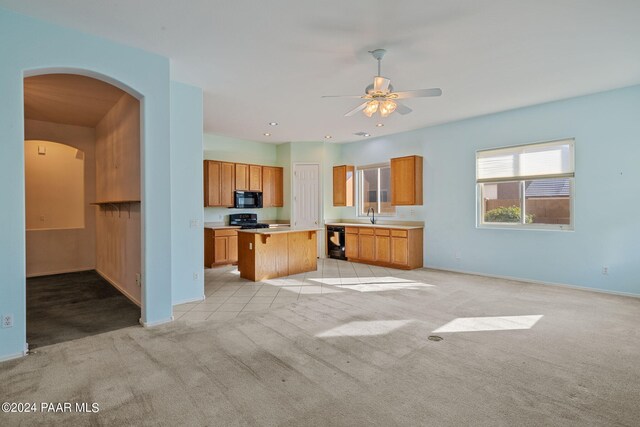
pixel 351 244
pixel 343 185
pixel 220 247
pixel 366 246
pixel 391 247
pixel 406 181
pixel 272 187
pixel 383 246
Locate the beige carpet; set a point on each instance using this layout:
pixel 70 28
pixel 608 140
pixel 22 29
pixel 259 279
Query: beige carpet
pixel 512 354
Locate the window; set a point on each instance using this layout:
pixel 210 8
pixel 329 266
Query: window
pixel 535 179
pixel 374 190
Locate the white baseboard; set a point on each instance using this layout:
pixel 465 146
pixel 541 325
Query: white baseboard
pixel 67 270
pixel 12 356
pixel 119 288
pixel 156 323
pixel 537 282
pixel 186 301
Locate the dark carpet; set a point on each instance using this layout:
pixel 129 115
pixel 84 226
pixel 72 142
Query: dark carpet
pixel 69 306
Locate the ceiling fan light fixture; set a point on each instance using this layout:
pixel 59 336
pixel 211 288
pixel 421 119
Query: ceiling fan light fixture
pixel 371 108
pixel 387 107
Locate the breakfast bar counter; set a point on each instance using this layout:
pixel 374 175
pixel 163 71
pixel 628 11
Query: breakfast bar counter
pixel 270 253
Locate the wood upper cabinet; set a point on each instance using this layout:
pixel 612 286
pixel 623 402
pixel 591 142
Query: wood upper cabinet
pixel 211 173
pixel 343 185
pixel 227 183
pixel 278 182
pixel 242 177
pixel 406 181
pixel 272 187
pixel 218 183
pixel 255 178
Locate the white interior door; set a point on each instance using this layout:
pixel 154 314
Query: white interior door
pixel 306 195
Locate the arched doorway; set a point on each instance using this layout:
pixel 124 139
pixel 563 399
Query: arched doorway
pixel 103 123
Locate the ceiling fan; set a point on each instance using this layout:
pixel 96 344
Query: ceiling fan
pixel 380 96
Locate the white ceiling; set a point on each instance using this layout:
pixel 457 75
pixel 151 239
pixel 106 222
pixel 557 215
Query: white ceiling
pixel 260 61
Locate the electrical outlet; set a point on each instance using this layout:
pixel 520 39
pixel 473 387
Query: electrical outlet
pixel 139 279
pixel 7 320
pixel 412 212
pixel 196 276
pixel 605 270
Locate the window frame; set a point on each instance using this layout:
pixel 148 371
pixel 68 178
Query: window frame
pixel 521 180
pixel 359 190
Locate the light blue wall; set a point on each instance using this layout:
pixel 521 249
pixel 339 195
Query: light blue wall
pixel 187 247
pixel 607 233
pixel 26 45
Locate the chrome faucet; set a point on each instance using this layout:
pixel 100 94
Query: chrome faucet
pixel 373 218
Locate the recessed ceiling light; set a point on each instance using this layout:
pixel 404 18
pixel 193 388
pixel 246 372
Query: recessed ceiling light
pixel 266 134
pixel 366 135
pixel 327 137
pixel 380 125
pixel 273 123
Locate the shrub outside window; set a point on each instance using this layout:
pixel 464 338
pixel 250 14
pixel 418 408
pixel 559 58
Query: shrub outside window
pixel 527 186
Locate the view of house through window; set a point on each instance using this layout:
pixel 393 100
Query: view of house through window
pixel 374 190
pixel 529 185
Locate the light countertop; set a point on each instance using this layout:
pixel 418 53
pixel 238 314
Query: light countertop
pixel 369 225
pixel 220 226
pixel 278 230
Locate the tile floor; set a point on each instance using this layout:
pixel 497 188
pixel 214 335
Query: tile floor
pixel 228 295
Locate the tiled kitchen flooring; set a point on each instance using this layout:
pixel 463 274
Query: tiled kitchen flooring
pixel 228 295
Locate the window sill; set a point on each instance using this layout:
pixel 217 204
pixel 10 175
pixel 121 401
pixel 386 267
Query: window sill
pixel 541 227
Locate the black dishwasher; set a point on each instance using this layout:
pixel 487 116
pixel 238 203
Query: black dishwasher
pixel 335 241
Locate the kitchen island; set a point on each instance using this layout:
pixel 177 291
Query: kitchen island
pixel 270 253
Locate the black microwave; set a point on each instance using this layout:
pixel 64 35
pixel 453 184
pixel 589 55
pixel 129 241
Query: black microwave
pixel 247 199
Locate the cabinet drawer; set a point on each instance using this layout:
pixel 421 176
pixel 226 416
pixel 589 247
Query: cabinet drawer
pixel 382 232
pixel 226 232
pixel 399 233
pixel 351 230
pixel 366 231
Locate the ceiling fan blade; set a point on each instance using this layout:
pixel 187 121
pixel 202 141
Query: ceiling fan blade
pixel 356 110
pixel 418 93
pixel 343 96
pixel 402 109
pixel 380 84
